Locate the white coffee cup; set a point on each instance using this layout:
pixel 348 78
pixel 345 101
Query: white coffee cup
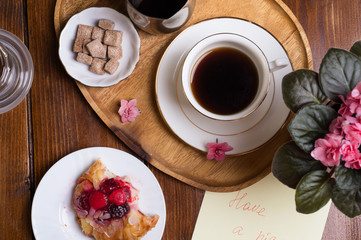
pixel 246 46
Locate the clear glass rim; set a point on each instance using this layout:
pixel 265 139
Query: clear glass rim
pixel 13 45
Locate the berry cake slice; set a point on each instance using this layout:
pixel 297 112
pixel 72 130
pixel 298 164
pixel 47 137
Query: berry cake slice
pixel 107 206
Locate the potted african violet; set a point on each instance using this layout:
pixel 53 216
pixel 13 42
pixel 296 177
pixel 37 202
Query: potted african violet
pixel 323 160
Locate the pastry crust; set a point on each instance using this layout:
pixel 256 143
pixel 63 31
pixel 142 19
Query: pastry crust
pixel 98 223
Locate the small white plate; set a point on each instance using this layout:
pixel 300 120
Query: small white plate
pixel 52 213
pixel 80 71
pixel 195 129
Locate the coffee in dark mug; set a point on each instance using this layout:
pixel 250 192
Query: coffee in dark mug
pixel 160 16
pixel 158 8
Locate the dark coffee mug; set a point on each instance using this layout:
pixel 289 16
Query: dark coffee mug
pixel 155 16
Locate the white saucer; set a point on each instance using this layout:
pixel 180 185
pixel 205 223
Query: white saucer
pixel 52 214
pixel 80 71
pixel 195 129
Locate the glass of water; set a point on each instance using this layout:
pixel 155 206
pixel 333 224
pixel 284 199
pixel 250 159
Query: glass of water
pixel 16 71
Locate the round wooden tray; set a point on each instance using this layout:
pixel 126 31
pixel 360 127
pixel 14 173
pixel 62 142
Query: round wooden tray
pixel 149 135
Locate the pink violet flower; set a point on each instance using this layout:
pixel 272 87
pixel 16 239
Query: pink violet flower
pixel 349 151
pixel 344 108
pixel 218 151
pixel 349 120
pixel 354 163
pixel 336 125
pixel 128 110
pixel 327 150
pixel 352 104
pixel 356 92
pixel 355 107
pixel 353 132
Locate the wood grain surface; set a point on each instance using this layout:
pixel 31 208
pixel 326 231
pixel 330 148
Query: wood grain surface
pixel 15 165
pixel 149 136
pixel 56 119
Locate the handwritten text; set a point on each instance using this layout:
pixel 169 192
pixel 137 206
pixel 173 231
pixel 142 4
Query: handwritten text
pixel 264 236
pixel 238 231
pixel 240 203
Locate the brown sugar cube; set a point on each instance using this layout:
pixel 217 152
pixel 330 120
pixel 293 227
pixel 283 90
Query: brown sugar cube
pixel 84 31
pixel 111 66
pixel 97 49
pixel 98 33
pixel 106 24
pixel 115 52
pixel 85 42
pixel 78 45
pixel 97 66
pixel 84 58
pixel 113 38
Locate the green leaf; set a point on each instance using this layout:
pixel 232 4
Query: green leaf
pixel 340 71
pixel 314 191
pixel 300 88
pixel 347 201
pixel 347 179
pixel 309 124
pixel 356 48
pixel 290 164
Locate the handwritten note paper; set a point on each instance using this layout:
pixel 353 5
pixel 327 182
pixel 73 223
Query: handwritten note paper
pixel 263 211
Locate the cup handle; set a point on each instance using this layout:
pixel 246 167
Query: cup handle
pixel 278 64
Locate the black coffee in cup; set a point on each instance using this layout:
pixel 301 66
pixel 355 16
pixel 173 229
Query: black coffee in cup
pixel 224 81
pixel 158 8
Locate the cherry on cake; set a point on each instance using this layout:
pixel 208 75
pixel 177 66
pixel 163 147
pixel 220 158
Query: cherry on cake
pixel 106 206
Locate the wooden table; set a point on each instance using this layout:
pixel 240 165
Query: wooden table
pixel 54 120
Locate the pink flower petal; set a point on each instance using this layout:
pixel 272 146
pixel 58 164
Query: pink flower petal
pixel 218 151
pixel 225 147
pixel 220 156
pixel 132 103
pixel 355 93
pixel 353 132
pixel 344 109
pixel 327 150
pixel 336 125
pixel 128 110
pixel 349 150
pixel 211 155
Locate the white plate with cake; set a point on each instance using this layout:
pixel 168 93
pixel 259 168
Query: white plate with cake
pixel 56 215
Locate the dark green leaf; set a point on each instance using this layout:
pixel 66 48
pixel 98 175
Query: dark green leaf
pixel 347 201
pixel 340 71
pixel 314 191
pixel 290 164
pixel 300 88
pixel 311 123
pixel 347 179
pixel 356 48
